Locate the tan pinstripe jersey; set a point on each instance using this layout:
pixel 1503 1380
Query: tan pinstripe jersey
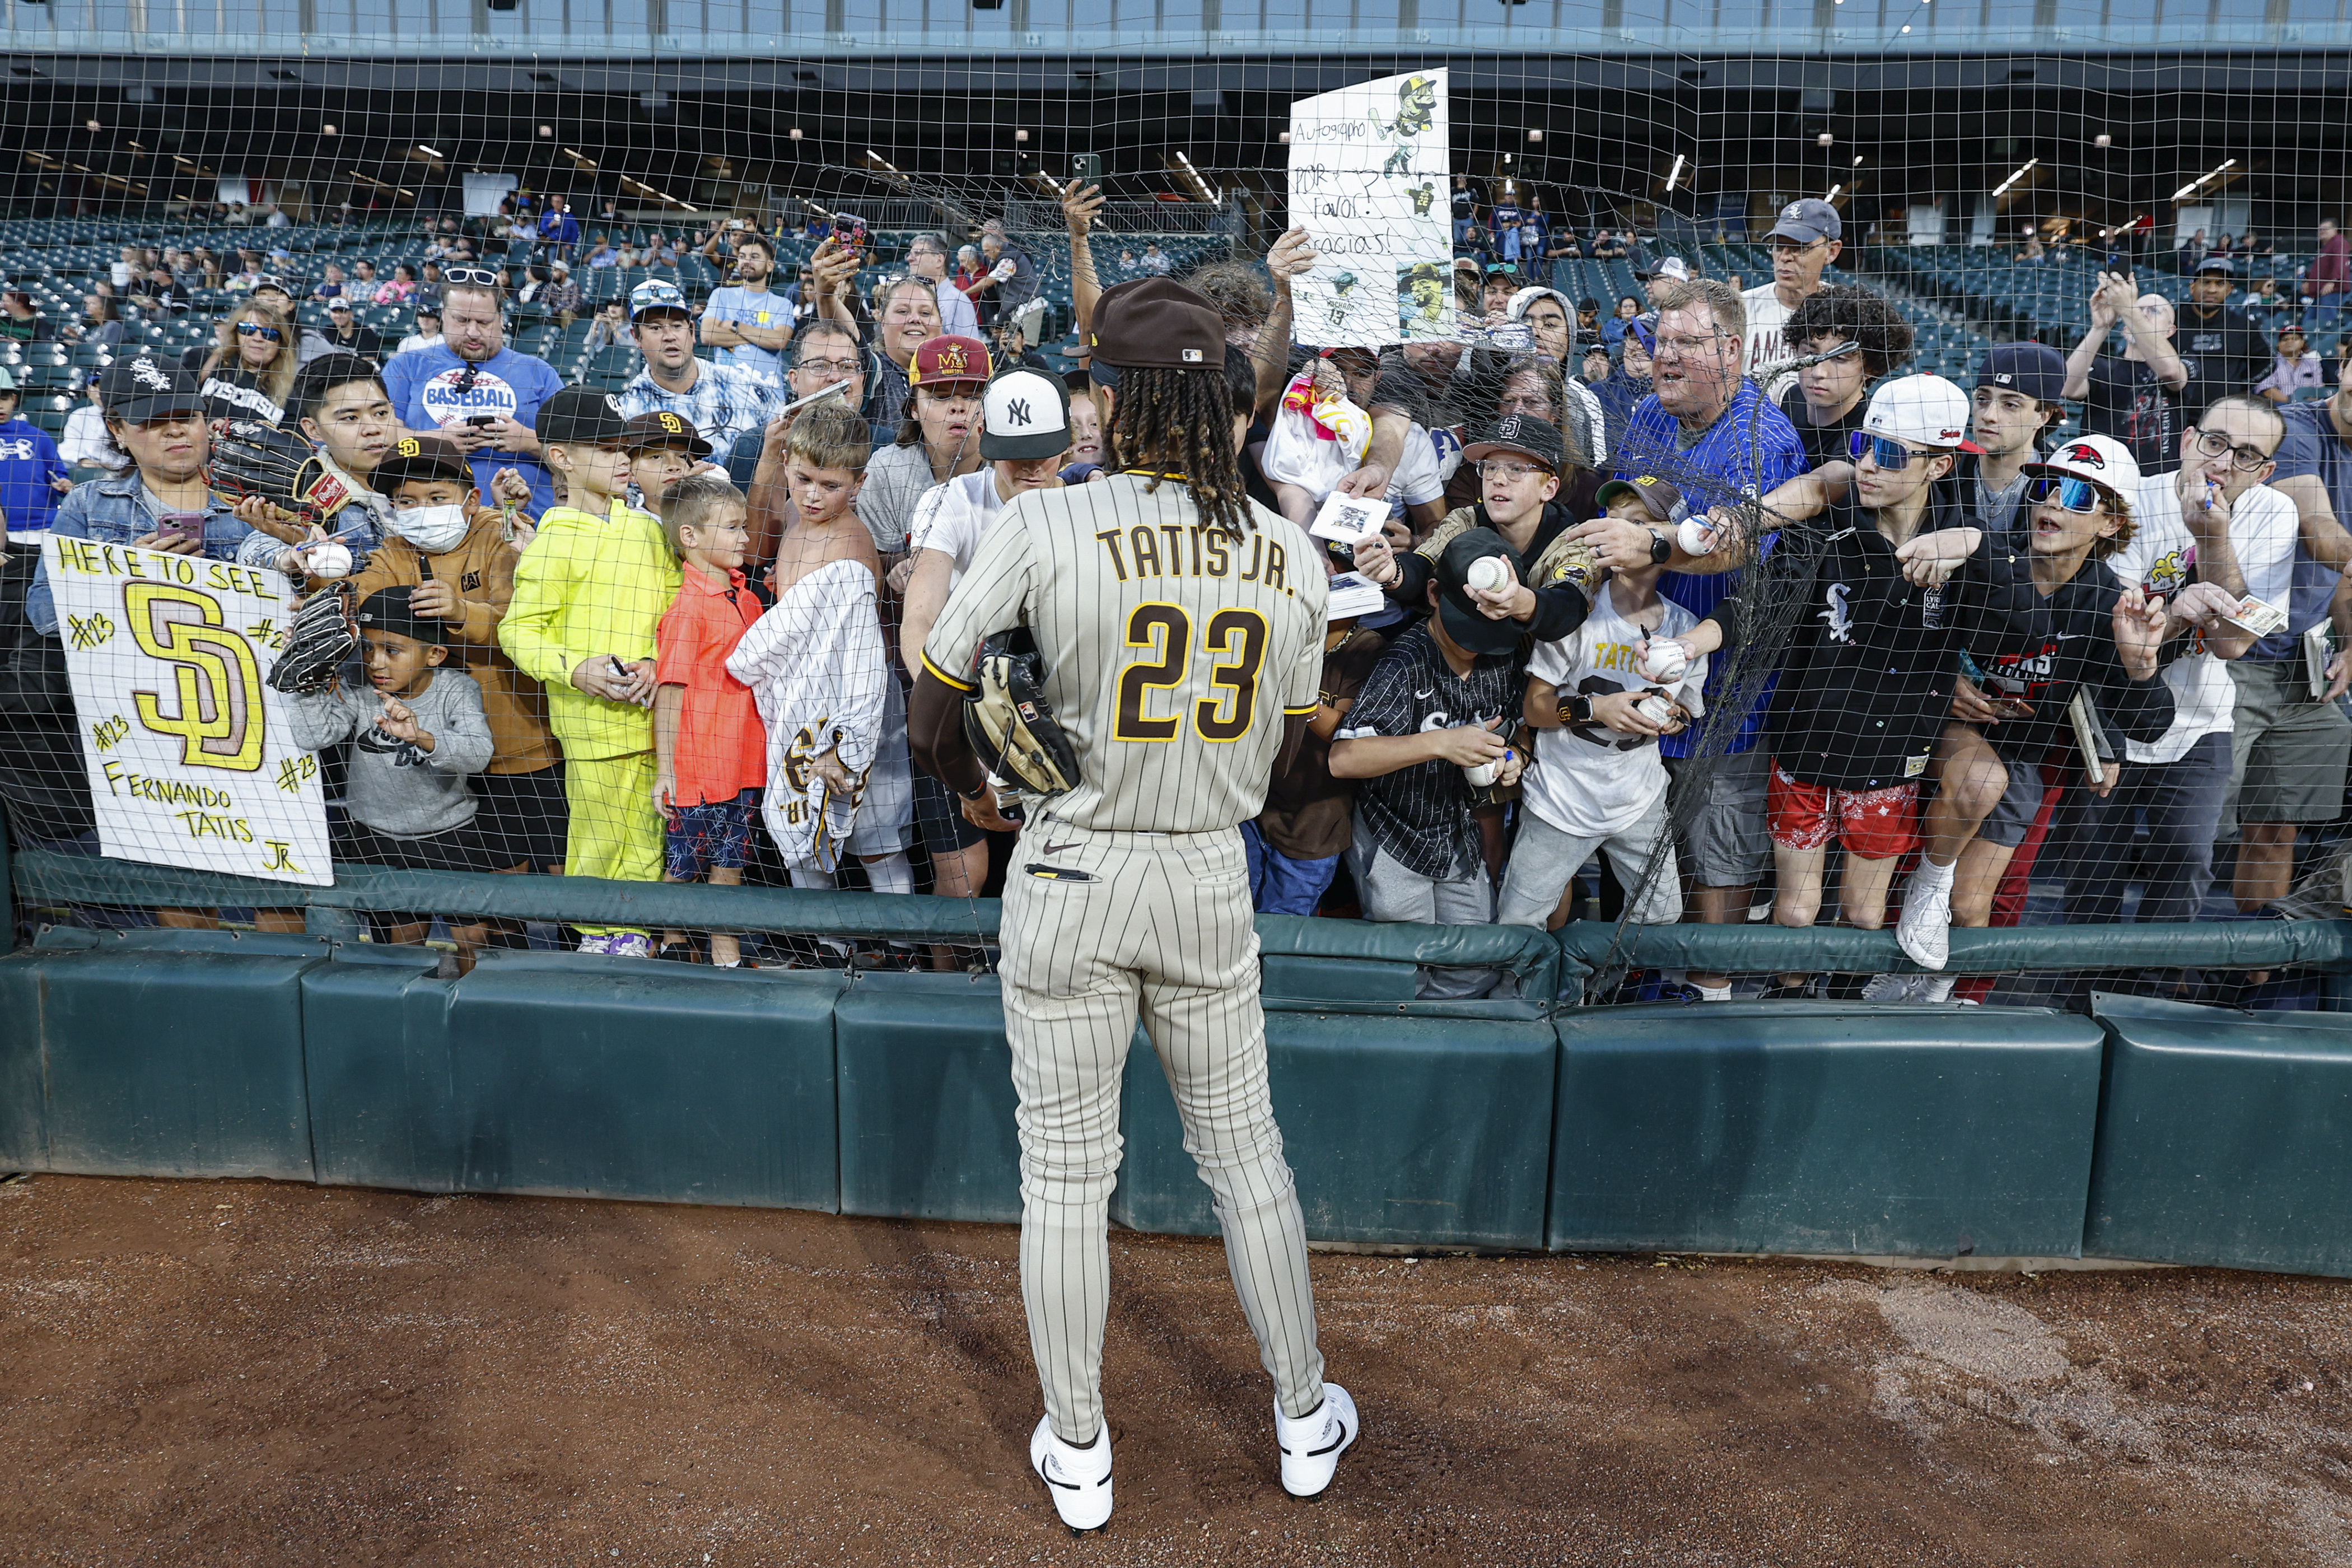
pixel 1172 651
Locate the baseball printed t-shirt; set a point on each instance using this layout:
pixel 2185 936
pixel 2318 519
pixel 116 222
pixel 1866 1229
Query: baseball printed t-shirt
pixel 2161 558
pixel 1419 815
pixel 1591 781
pixel 433 389
pixel 1172 651
pixel 765 309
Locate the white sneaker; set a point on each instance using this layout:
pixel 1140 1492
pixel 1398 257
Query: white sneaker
pixel 1079 1479
pixel 1936 988
pixel 1924 932
pixel 1892 987
pixel 1311 1445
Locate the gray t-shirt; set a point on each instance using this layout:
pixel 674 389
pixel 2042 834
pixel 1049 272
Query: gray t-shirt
pixel 394 787
pixel 896 478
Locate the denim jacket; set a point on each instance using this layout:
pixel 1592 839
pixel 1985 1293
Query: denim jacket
pixel 116 512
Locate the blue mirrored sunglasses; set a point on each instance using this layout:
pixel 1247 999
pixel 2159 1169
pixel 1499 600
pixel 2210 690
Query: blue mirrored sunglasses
pixel 2071 494
pixel 1885 450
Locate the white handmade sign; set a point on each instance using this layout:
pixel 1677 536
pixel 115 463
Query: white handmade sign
pixel 1371 183
pixel 190 762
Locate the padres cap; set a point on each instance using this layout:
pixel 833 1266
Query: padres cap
pixel 1660 499
pixel 143 387
pixel 2037 370
pixel 1152 323
pixel 1469 628
pixel 1523 434
pixel 2105 462
pixel 1924 409
pixel 1807 221
pixel 421 457
pixel 664 428
pixel 1025 414
pixel 387 610
pixel 944 360
pixel 581 416
pixel 656 294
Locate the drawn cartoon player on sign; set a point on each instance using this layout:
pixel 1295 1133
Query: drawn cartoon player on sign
pixel 1416 112
pixel 1342 285
pixel 1423 291
pixel 1422 196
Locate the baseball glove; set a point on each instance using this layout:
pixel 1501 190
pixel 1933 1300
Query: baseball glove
pixel 317 644
pixel 1011 730
pixel 251 458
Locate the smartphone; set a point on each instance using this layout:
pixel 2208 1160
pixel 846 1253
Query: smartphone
pixel 481 421
pixel 833 389
pixel 181 525
pixel 1086 168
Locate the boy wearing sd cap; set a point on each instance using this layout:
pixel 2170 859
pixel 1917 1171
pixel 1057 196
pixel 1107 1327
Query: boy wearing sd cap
pixel 588 595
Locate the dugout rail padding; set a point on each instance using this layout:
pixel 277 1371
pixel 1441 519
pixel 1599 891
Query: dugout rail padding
pixel 2148 1130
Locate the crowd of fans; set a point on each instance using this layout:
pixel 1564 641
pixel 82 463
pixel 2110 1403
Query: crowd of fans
pixel 1911 646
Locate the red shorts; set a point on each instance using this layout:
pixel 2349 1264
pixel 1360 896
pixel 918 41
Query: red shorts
pixel 1876 824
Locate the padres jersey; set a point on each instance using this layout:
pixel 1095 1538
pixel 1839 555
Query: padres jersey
pixel 1172 650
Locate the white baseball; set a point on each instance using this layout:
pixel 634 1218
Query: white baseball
pixel 1656 709
pixel 1696 538
pixel 329 560
pixel 1483 774
pixel 1488 573
pixel 1664 660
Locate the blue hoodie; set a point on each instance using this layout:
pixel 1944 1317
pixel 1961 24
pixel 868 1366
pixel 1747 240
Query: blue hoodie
pixel 28 463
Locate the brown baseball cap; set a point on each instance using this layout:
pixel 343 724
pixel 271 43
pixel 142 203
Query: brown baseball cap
pixel 1658 496
pixel 664 428
pixel 421 457
pixel 1152 323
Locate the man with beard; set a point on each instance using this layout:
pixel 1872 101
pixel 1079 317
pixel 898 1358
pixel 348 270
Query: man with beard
pixel 748 321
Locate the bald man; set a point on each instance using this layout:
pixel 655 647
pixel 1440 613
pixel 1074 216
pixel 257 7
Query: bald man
pixel 2134 397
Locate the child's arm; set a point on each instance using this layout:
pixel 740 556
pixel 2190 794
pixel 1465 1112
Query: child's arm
pixel 1371 756
pixel 547 579
pixel 668 702
pixel 320 719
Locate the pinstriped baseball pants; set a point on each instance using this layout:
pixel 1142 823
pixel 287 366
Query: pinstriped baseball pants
pixel 1159 923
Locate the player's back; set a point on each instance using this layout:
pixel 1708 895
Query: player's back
pixel 1172 649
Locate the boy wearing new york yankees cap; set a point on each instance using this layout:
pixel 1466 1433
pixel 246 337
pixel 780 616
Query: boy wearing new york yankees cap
pixel 588 597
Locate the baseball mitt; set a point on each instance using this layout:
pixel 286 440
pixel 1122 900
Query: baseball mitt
pixel 251 458
pixel 1006 718
pixel 317 644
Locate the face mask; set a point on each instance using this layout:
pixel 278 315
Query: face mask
pixel 431 529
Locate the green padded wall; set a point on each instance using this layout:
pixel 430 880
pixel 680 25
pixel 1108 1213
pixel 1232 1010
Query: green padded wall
pixel 560 1074
pixel 1410 1129
pixel 157 1053
pixel 926 1097
pixel 1804 1127
pixel 2224 1138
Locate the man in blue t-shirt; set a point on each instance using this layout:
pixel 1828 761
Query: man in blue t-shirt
pixel 474 389
pixel 747 322
pixel 1721 441
pixel 33 478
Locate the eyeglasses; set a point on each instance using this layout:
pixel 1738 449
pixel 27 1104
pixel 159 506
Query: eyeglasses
pixel 1678 346
pixel 1491 469
pixel 1783 248
pixel 256 329
pixel 471 277
pixel 2245 459
pixel 2070 493
pixel 1884 450
pixel 838 367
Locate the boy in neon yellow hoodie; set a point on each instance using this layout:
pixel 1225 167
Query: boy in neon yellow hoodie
pixel 588 593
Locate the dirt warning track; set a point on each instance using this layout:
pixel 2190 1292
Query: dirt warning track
pixel 255 1373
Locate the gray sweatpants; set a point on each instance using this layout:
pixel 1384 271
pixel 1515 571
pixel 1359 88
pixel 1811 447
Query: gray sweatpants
pixel 1389 891
pixel 1543 858
pixel 1158 922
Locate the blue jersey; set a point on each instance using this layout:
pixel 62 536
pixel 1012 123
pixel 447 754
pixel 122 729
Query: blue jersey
pixel 433 387
pixel 1750 450
pixel 28 465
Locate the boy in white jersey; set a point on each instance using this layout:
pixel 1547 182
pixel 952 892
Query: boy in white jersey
pixel 1598 782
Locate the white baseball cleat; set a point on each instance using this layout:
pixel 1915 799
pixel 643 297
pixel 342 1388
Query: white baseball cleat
pixel 1079 1479
pixel 1311 1445
pixel 1924 932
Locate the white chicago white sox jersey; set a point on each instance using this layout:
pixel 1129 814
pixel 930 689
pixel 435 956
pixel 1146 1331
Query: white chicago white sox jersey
pixel 1174 651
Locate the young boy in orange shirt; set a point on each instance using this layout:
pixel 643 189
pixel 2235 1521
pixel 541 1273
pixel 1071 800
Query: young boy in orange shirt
pixel 710 754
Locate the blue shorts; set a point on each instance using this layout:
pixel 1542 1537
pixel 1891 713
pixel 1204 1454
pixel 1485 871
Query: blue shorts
pixel 711 838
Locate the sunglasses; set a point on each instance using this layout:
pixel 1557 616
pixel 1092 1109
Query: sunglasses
pixel 2071 494
pixel 1885 450
pixel 472 277
pixel 256 329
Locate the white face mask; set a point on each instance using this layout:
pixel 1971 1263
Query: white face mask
pixel 431 529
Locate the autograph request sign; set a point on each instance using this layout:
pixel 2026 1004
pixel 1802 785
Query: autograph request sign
pixel 169 656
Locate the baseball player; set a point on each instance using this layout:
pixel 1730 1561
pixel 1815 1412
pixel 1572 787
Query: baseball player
pixel 1181 629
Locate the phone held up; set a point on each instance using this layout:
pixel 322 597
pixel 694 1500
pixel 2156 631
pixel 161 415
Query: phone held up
pixel 1086 168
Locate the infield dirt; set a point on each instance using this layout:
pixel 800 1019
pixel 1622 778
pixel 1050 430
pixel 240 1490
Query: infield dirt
pixel 255 1373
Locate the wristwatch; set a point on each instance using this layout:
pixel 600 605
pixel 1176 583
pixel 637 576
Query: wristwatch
pixel 1659 551
pixel 1575 709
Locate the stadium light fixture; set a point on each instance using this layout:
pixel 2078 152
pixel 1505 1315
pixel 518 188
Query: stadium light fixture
pixel 1857 162
pixel 663 196
pixel 580 160
pixel 328 130
pixel 91 125
pixel 431 151
pixel 2103 139
pixel 794 134
pixel 1022 134
pixel 547 131
pixel 2002 189
pixel 1834 193
pixel 1535 135
pixel 2201 181
pixel 1675 178
pixel 1826 138
pixel 1283 137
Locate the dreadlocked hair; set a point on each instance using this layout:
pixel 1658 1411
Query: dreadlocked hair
pixel 1180 425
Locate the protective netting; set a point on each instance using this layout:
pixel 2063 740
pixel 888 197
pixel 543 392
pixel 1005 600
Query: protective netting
pixel 1699 256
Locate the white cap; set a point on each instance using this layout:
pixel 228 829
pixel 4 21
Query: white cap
pixel 1676 268
pixel 1925 410
pixel 1025 414
pixel 2101 459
